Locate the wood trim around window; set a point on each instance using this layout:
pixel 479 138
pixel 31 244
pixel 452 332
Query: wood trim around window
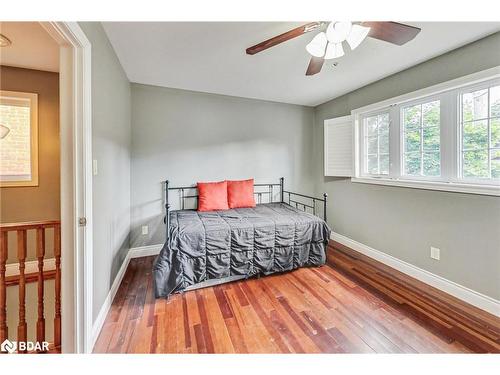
pixel 33 100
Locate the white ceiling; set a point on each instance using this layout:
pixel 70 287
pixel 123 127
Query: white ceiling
pixel 210 57
pixel 32 47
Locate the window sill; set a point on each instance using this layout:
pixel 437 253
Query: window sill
pixel 493 190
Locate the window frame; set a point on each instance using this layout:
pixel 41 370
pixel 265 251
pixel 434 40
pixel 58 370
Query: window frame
pixel 467 89
pixel 32 99
pixel 363 166
pixel 401 156
pixel 450 95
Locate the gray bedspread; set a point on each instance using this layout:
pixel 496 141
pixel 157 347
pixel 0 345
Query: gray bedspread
pixel 269 238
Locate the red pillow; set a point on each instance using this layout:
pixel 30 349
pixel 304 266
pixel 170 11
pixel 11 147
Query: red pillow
pixel 212 196
pixel 240 194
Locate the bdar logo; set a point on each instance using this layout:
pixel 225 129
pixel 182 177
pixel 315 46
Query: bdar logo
pixel 8 346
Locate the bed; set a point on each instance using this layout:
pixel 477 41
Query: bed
pixel 208 248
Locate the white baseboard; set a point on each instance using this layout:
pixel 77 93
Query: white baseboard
pixel 12 269
pixel 145 251
pixel 461 292
pixel 135 252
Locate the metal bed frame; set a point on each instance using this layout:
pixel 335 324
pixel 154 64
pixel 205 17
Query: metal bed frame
pixel 310 204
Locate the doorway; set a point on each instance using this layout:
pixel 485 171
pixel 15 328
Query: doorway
pixel 71 234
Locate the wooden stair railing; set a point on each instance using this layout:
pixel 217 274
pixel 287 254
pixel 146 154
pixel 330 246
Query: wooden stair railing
pixel 40 276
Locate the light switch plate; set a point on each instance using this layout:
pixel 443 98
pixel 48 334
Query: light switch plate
pixel 94 167
pixel 435 253
pixel 145 229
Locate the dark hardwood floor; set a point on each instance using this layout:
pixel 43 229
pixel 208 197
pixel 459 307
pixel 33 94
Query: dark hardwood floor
pixel 446 315
pixel 310 310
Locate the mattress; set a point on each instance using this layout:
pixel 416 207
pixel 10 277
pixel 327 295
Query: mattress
pixel 266 239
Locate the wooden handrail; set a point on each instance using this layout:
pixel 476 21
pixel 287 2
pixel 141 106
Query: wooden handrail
pixel 40 277
pixel 7 227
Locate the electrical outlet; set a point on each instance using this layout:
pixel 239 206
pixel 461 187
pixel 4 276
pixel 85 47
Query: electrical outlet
pixel 435 253
pixel 145 229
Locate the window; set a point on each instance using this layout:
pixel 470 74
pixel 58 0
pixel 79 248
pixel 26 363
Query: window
pixel 376 144
pixel 446 137
pixel 480 130
pixel 18 139
pixel 421 137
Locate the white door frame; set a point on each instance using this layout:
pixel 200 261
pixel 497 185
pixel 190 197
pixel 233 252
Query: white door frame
pixel 76 185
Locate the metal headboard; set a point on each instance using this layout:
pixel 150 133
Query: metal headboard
pixel 297 201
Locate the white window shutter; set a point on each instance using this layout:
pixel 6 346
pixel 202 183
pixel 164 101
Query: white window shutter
pixel 338 147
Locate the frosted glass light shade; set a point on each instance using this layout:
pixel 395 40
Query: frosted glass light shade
pixel 316 47
pixel 357 35
pixel 334 50
pixel 337 32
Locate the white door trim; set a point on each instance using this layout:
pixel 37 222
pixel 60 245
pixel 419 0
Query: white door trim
pixel 76 184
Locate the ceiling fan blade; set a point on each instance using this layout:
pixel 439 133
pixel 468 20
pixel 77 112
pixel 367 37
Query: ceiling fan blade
pixel 392 32
pixel 298 31
pixel 315 65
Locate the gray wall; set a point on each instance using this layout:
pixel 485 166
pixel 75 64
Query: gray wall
pixel 183 135
pixel 405 222
pixel 111 148
pixel 189 136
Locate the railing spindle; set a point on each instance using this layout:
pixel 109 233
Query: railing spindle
pixel 21 256
pixel 57 318
pixel 22 278
pixel 40 253
pixel 4 331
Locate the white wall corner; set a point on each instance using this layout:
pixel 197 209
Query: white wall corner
pixel 461 292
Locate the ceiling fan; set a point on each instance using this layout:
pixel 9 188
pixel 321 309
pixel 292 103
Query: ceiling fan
pixel 329 44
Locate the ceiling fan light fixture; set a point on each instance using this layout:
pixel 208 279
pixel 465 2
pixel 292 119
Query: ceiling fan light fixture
pixel 334 50
pixel 329 44
pixel 357 35
pixel 317 45
pixel 337 32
